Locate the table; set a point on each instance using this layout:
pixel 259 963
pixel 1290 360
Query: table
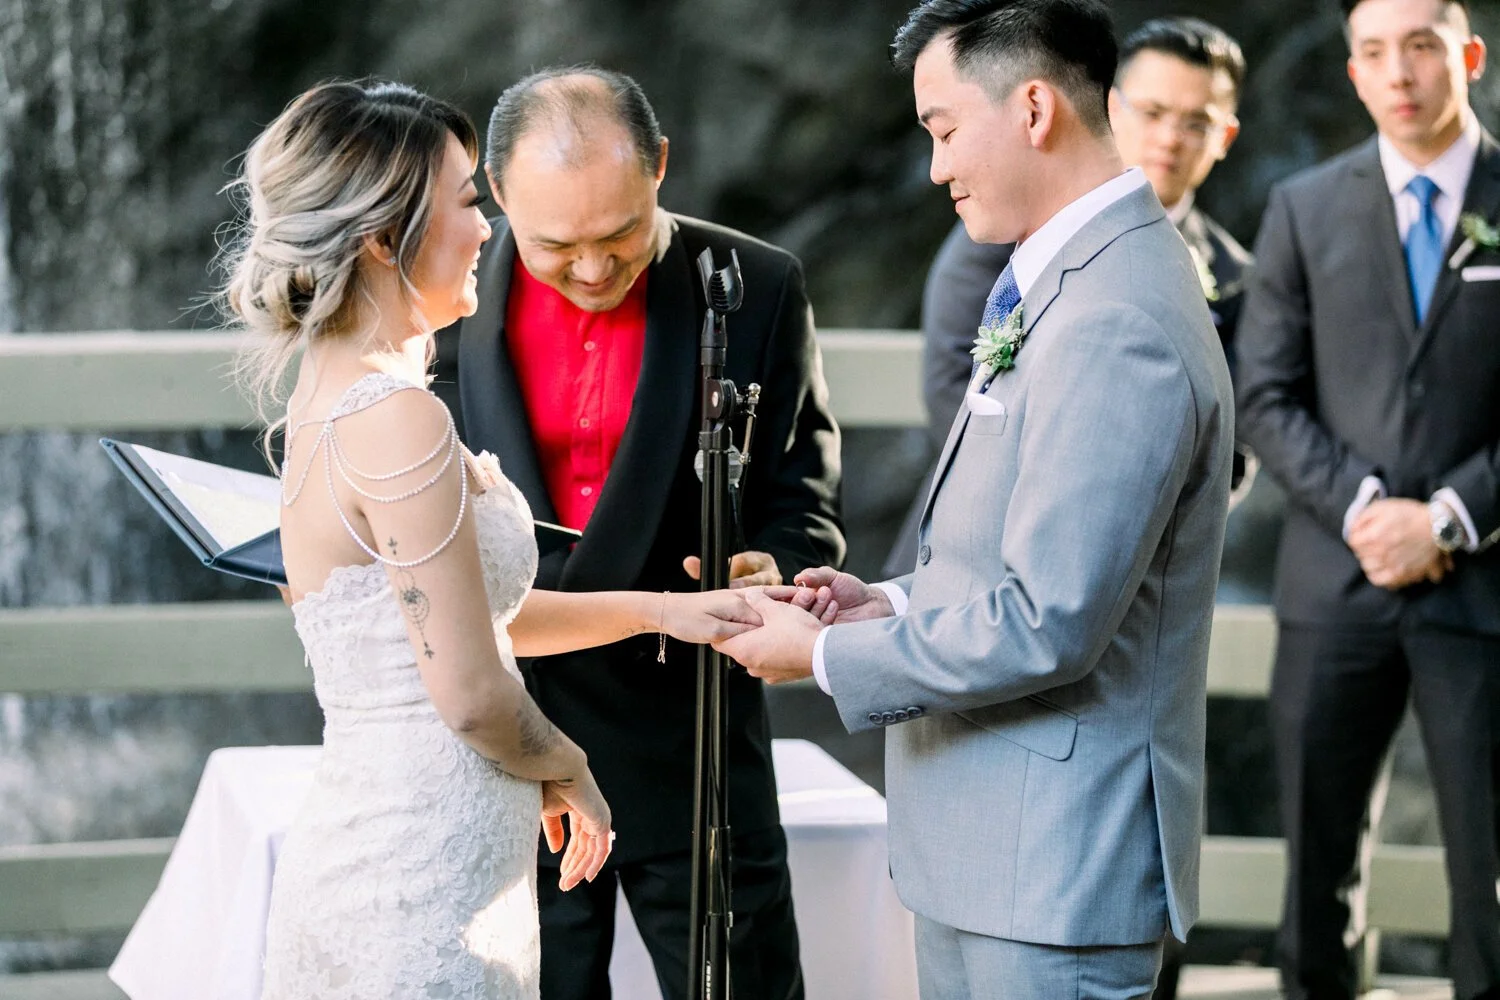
pixel 201 935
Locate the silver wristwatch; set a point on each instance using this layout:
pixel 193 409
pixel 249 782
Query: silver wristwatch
pixel 1447 529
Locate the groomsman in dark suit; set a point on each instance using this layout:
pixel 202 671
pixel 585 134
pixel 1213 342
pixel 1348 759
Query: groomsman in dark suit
pixel 579 370
pixel 1369 364
pixel 1172 110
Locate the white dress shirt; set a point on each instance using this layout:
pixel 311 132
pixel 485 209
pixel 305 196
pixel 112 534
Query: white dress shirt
pixel 1027 263
pixel 1450 172
pixel 1178 213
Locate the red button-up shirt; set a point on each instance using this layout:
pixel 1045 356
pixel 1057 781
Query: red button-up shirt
pixel 577 371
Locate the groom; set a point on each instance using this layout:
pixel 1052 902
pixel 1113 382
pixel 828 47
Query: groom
pixel 1042 672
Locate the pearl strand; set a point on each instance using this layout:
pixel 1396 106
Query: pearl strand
pixel 306 469
pixel 450 439
pixel 463 501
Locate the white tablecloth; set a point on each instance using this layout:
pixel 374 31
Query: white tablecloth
pixel 202 934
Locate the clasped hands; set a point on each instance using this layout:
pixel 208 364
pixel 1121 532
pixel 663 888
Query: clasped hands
pixel 1392 538
pixel 772 631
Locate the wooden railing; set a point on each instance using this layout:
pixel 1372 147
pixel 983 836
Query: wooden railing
pixel 141 381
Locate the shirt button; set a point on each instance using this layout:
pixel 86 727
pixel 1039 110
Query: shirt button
pixel 588 345
pixel 924 555
pixel 584 422
pixel 587 491
pixel 1418 390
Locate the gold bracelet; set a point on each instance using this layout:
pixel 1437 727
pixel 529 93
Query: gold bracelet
pixel 661 631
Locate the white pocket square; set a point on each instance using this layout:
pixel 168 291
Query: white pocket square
pixel 1489 272
pixel 983 405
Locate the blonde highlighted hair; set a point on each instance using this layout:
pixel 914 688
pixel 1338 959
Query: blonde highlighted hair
pixel 344 161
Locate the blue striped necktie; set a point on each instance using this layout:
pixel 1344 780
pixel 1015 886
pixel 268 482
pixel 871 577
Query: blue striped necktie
pixel 1424 247
pixel 1004 298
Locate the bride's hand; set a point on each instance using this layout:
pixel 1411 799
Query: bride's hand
pixel 588 821
pixel 709 617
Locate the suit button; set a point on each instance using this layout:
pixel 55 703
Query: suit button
pixel 874 718
pixel 915 712
pixel 902 715
pixel 924 555
pixel 887 717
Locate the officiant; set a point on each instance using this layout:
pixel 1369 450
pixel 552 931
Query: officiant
pixel 579 370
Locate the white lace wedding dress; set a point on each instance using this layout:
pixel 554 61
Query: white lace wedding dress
pixel 410 872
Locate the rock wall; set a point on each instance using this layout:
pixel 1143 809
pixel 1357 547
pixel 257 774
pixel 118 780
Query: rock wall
pixel 120 120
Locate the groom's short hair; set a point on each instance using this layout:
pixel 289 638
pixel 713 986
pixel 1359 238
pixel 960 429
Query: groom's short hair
pixel 999 43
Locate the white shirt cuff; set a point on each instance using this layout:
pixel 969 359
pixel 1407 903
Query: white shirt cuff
pixel 1370 490
pixel 820 671
pixel 897 596
pixel 1449 496
pixel 898 601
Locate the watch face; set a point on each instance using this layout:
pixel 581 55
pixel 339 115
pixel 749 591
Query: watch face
pixel 1448 532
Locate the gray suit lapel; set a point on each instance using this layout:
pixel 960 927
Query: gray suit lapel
pixel 1483 198
pixel 1136 209
pixel 960 421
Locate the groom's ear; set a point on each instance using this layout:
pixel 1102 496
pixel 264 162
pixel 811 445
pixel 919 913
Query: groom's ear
pixel 1040 101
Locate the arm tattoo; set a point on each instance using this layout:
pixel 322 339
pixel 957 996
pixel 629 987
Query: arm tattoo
pixel 414 602
pixel 537 735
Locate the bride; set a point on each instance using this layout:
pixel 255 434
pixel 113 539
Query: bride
pixel 410 871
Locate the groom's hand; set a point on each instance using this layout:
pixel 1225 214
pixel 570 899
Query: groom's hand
pixel 781 649
pixel 746 569
pixel 834 598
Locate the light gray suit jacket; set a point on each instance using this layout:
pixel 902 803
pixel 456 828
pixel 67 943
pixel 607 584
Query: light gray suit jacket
pixel 1046 687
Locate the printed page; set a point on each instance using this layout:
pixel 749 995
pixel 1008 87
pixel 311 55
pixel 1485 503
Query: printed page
pixel 234 506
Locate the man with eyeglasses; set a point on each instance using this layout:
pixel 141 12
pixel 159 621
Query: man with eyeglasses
pixel 1172 111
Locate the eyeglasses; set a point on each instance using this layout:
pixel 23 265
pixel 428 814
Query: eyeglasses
pixel 1195 128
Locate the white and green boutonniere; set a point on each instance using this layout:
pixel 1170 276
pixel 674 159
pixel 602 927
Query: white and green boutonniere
pixel 996 346
pixel 1206 279
pixel 1478 235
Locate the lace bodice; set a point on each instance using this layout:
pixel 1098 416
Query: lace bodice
pixel 410 871
pixel 357 613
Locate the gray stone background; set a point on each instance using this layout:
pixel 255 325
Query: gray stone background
pixel 120 120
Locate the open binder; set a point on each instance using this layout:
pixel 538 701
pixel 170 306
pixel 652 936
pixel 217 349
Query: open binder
pixel 230 519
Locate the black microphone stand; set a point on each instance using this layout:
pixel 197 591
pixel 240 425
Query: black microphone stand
pixel 723 468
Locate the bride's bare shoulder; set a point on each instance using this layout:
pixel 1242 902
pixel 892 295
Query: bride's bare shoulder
pixel 392 427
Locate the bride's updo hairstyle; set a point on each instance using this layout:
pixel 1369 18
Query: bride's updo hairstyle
pixel 344 161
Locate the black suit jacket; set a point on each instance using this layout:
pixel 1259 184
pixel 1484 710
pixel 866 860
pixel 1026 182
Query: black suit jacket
pixel 1338 382
pixel 634 717
pixel 1229 263
pixel 959 282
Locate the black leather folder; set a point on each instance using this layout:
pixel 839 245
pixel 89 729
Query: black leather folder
pixel 235 548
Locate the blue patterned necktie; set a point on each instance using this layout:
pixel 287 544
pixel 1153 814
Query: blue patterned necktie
pixel 1004 298
pixel 1424 247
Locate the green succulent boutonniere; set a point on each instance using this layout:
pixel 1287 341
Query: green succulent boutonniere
pixel 1206 279
pixel 996 346
pixel 1478 235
